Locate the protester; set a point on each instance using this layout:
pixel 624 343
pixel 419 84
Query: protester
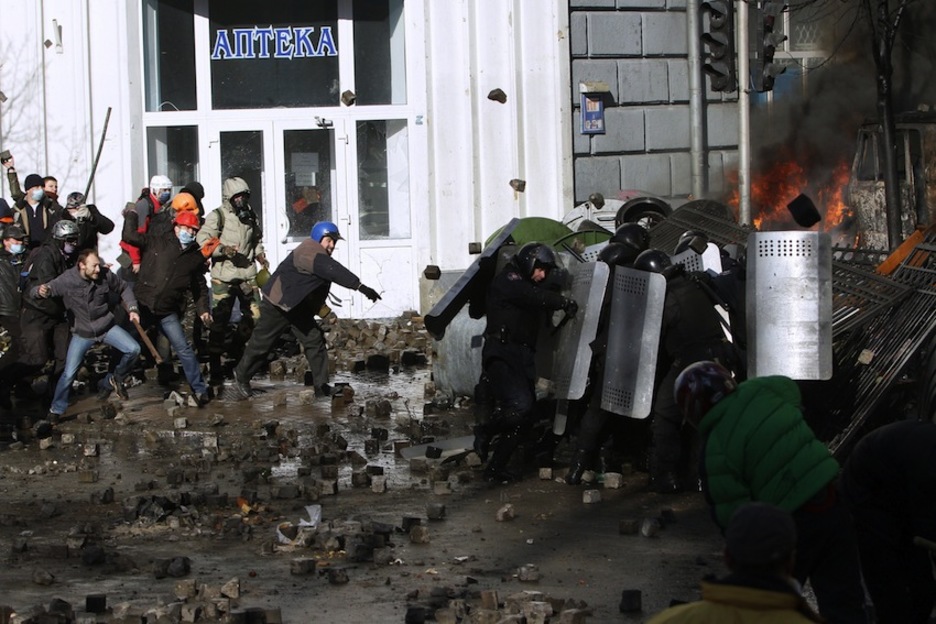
pixel 296 292
pixel 757 447
pixel 760 546
pixel 89 292
pixel 35 212
pixel 233 238
pixel 11 254
pixel 172 267
pixel 151 201
pixel 91 223
pixel 889 485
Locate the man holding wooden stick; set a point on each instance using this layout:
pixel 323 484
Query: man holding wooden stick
pixel 86 290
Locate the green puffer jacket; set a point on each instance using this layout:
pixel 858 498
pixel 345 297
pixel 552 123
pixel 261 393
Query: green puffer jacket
pixel 759 448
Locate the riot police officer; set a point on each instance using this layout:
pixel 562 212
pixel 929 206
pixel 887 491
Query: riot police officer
pixel 691 332
pixel 517 303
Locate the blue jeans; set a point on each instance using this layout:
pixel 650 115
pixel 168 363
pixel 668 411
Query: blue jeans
pixel 172 328
pixel 77 348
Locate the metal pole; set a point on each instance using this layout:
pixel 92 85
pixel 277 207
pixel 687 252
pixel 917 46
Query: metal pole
pixel 744 116
pixel 97 157
pixel 696 100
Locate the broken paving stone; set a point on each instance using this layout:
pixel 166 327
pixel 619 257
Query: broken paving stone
pixel 574 616
pixel 185 589
pixel 360 479
pixel 546 474
pixel 613 480
pixel 490 600
pixel 630 601
pixel 231 589
pixel 96 603
pixel 506 513
pixel 528 573
pixel 337 576
pixel 42 577
pixel 379 484
pixel 650 527
pixel 371 447
pixel 409 522
pixel 415 615
pixel 91 450
pixel 441 488
pixel 435 511
pixel 591 496
pixel 419 535
pixel 46 443
pixel 180 422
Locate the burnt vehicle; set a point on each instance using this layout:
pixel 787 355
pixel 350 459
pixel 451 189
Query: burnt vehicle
pixel 916 170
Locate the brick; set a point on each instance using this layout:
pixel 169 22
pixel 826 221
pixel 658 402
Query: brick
pixel 546 474
pixel 441 488
pixel 489 600
pixel 505 513
pixel 528 573
pixel 573 616
pixel 435 511
pixel 613 480
pixel 379 484
pixel 419 535
pixel 185 589
pixel 591 496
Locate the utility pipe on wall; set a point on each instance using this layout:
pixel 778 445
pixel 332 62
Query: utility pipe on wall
pixel 697 160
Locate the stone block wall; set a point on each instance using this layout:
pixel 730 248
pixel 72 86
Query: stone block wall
pixel 639 49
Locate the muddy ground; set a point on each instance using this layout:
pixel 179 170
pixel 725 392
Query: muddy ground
pixel 121 493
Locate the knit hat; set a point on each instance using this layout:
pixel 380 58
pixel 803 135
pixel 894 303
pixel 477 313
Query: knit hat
pixel 760 534
pixel 196 189
pixel 32 180
pixel 74 200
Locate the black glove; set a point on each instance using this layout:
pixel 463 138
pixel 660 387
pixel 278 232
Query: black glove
pixel 368 292
pixel 570 307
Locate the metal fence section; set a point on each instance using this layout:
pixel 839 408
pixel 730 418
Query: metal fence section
pixel 713 218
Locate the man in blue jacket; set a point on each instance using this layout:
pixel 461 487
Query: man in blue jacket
pixel 297 291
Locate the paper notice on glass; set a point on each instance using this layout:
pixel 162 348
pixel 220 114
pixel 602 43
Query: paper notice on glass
pixel 304 166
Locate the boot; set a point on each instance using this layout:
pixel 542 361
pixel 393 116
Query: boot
pixel 482 440
pixel 577 467
pixel 496 469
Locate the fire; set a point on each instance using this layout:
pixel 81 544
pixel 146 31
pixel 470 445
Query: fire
pixel 774 188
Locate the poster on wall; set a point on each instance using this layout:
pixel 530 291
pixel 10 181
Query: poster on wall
pixel 593 121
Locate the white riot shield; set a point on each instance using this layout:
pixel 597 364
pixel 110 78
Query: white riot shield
pixel 573 356
pixel 636 318
pixel 789 305
pixel 709 260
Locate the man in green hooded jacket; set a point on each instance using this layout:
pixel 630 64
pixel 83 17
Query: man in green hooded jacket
pixel 757 447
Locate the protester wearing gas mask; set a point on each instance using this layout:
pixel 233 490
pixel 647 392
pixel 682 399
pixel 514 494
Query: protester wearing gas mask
pixel 88 218
pixel 233 239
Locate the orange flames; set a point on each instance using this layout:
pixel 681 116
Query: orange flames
pixel 774 188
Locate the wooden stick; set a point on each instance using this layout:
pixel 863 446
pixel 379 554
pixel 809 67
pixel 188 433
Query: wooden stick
pixel 97 157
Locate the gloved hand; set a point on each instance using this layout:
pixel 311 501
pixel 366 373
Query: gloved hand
pixel 368 292
pixel 569 307
pixel 227 250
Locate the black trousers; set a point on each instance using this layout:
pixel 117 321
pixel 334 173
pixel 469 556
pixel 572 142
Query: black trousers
pixel 271 325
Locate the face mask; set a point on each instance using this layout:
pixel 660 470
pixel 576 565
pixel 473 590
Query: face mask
pixel 69 248
pixel 37 195
pixel 17 248
pixel 186 238
pixel 164 197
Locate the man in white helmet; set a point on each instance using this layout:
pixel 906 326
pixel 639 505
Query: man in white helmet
pixel 150 202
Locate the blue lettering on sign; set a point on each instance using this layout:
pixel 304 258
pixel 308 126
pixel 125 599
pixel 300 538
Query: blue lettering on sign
pixel 263 37
pixel 285 42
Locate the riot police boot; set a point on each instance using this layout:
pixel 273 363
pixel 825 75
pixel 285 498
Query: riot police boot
pixel 611 460
pixel 482 440
pixel 496 469
pixel 577 467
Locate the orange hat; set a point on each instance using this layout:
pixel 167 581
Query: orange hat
pixel 184 202
pixel 189 219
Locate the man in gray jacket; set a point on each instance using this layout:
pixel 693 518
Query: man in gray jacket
pixel 233 239
pixel 86 290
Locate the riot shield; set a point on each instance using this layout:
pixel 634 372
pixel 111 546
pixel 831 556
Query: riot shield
pixel 590 254
pixel 475 279
pixel 574 354
pixel 709 260
pixel 789 305
pixel 636 318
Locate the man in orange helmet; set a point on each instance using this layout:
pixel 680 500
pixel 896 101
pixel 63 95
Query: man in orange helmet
pixel 172 265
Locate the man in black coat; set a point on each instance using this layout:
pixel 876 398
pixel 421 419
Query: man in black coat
pixel 89 220
pixel 889 484
pixel 171 265
pixel 11 256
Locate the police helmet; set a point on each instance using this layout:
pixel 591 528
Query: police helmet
pixel 652 261
pixel 536 256
pixel 691 239
pixel 325 228
pixel 617 254
pixel 632 234
pixel 65 229
pixel 700 386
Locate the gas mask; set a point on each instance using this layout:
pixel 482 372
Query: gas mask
pixel 241 205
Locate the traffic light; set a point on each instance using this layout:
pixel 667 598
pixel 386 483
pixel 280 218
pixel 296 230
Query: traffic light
pixel 720 39
pixel 764 69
